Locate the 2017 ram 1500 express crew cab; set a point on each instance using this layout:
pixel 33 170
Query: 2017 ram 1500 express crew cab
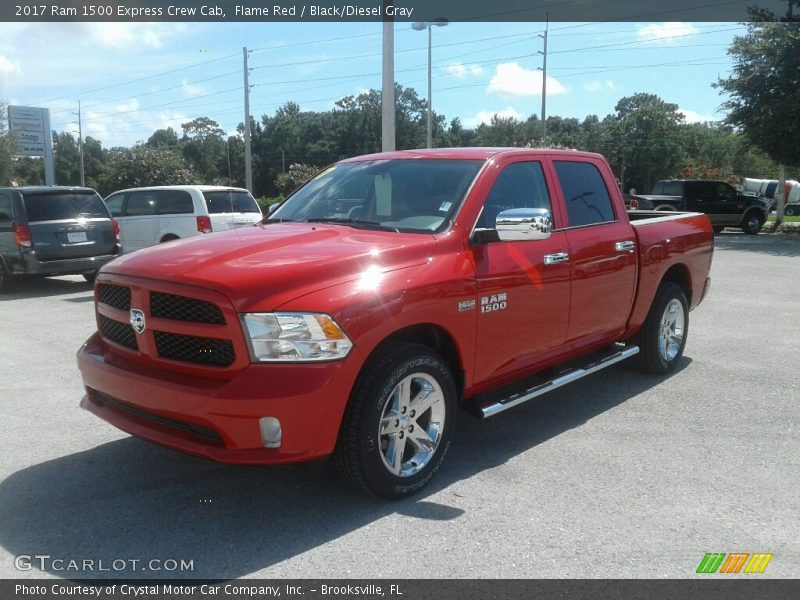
pixel 383 295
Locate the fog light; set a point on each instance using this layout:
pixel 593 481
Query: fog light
pixel 270 432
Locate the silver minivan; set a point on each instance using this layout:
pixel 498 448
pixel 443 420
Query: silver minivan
pixel 151 215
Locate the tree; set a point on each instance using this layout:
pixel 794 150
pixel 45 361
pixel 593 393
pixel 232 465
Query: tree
pixel 144 166
pixel 163 137
pixel 66 159
pixel 764 89
pixel 646 131
pixel 297 175
pixel 204 148
pixel 6 149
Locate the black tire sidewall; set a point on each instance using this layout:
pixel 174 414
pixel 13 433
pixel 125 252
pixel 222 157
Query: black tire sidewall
pixel 374 397
pixel 746 225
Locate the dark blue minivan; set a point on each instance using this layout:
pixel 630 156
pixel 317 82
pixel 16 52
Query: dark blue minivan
pixel 54 230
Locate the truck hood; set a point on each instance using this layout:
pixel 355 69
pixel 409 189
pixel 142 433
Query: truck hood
pixel 263 267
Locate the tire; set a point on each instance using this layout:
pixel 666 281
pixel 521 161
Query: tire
pixel 90 277
pixel 665 208
pixel 791 210
pixel 5 280
pixel 168 238
pixel 752 223
pixel 719 228
pixel 371 456
pixel 660 350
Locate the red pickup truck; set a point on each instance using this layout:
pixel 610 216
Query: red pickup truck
pixel 383 296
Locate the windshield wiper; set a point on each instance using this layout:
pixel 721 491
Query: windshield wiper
pixel 358 223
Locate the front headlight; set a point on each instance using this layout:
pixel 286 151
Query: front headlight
pixel 294 337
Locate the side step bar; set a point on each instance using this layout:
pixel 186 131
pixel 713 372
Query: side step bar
pixel 492 408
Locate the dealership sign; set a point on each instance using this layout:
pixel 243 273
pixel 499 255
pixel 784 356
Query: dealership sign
pixel 28 126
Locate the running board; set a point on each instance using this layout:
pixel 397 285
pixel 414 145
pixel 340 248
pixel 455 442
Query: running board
pixel 492 408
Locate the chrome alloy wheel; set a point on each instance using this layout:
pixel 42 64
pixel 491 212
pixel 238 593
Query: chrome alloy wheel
pixel 670 336
pixel 411 425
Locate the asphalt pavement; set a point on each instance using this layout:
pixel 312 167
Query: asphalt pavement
pixel 620 475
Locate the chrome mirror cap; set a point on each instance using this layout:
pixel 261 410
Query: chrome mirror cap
pixel 520 224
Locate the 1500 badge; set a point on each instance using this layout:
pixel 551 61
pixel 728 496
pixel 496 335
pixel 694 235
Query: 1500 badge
pixel 494 302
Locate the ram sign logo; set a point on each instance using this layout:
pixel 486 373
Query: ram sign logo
pixel 137 320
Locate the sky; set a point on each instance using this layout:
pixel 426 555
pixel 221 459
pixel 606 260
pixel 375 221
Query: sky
pixel 134 78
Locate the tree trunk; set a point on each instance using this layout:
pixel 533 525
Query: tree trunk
pixel 780 196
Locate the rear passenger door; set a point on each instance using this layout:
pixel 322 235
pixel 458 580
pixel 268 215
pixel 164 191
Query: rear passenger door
pixel 175 210
pixel 140 220
pixel 602 253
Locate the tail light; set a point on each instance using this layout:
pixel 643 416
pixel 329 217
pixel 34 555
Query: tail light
pixel 204 224
pixel 22 236
pixel 634 204
pixel 115 225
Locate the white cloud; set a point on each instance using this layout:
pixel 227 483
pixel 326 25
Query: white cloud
pixel 664 33
pixel 121 35
pixel 7 67
pixel 485 116
pixel 193 90
pixel 510 79
pixel 596 86
pixel 696 117
pixel 129 106
pixel 462 71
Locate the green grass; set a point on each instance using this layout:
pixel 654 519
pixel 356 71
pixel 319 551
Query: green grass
pixel 785 219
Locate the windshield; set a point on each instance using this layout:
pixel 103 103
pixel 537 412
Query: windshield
pixel 60 207
pixel 410 195
pixel 230 201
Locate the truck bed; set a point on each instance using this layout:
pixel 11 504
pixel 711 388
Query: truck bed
pixel 677 242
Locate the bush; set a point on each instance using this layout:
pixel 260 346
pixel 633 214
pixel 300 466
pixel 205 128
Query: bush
pixel 265 203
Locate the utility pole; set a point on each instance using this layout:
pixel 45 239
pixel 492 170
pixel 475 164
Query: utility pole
pixel 387 89
pixel 422 26
pixel 544 79
pixel 248 164
pixel 80 142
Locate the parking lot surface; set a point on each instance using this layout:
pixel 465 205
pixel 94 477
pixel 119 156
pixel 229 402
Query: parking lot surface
pixel 619 475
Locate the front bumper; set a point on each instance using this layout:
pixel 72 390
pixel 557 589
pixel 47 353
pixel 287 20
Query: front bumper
pixel 219 420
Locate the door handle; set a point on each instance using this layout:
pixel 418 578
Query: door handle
pixel 558 257
pixel 626 246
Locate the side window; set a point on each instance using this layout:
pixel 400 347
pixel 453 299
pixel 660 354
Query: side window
pixel 673 188
pixel 5 208
pixel 140 204
pixel 174 202
pixel 725 191
pixel 585 193
pixel 519 185
pixel 114 204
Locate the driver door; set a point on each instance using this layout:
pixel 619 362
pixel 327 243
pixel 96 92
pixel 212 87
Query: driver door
pixel 523 299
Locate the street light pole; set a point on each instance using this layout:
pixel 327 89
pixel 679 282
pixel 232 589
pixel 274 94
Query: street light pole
pixel 420 26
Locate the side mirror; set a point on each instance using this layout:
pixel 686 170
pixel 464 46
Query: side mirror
pixel 272 208
pixel 519 224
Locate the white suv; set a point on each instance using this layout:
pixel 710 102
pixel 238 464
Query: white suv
pixel 150 215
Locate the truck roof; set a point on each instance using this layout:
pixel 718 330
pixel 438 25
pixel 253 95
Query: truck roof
pixel 468 153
